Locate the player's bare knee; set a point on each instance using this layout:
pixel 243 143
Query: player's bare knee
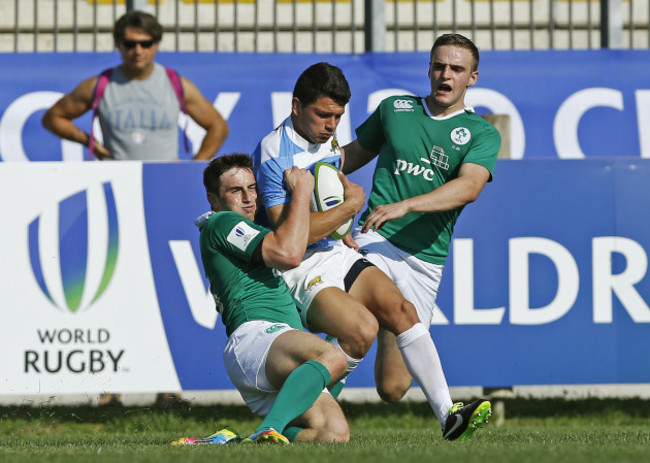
pixel 335 362
pixel 391 393
pixel 408 313
pixel 392 388
pixel 340 436
pixel 361 336
pixel 357 350
pixel 335 431
pixel 398 315
pixel 367 333
pixel 371 329
pixel 404 317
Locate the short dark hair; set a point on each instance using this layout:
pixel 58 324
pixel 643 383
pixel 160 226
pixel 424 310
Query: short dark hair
pixel 213 172
pixel 322 79
pixel 138 20
pixel 457 40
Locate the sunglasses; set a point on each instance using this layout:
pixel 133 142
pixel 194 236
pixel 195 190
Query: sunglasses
pixel 130 44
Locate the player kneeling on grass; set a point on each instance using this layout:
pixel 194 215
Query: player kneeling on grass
pixel 281 371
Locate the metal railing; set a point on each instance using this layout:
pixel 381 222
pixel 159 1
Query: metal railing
pixel 345 26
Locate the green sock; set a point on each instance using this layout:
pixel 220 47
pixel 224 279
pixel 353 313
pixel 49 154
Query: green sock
pixel 299 392
pixel 291 432
pixel 338 387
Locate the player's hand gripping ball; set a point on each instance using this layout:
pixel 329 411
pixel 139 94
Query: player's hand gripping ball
pixel 329 193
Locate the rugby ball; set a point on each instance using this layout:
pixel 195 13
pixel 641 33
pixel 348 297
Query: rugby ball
pixel 329 193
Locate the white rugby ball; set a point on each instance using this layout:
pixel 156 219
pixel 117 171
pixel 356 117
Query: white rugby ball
pixel 329 193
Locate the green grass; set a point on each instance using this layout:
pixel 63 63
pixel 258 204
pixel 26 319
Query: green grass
pixel 534 431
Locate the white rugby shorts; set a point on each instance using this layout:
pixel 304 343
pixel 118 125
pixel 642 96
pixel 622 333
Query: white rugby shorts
pixel 319 270
pixel 417 280
pixel 245 360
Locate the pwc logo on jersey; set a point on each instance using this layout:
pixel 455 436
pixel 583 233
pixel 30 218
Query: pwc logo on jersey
pixel 437 158
pixel 66 274
pixel 416 170
pixel 403 105
pixel 461 136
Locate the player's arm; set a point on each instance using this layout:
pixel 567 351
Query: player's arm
pixel 355 157
pixel 322 224
pixel 283 248
pixel 58 119
pixel 456 193
pixel 207 117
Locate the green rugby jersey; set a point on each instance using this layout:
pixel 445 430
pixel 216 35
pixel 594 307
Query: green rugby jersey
pixel 242 290
pixel 417 154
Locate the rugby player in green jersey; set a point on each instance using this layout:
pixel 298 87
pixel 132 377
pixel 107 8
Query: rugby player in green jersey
pixel 281 371
pixel 435 155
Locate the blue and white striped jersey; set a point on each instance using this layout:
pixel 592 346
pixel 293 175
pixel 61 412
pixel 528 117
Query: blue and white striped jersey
pixel 282 149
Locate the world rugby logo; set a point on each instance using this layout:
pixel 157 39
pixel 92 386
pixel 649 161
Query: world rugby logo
pixel 72 270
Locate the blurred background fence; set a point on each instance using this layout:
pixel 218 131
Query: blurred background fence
pixel 325 26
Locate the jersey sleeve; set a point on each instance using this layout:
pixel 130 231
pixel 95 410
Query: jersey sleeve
pixel 485 148
pixel 235 235
pixel 370 134
pixel 270 182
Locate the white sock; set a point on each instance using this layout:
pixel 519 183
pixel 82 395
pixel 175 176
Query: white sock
pixel 422 361
pixel 352 362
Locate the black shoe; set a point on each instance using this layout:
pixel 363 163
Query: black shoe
pixel 463 420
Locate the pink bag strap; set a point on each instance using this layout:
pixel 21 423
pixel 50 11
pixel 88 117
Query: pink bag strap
pixel 100 87
pixel 175 80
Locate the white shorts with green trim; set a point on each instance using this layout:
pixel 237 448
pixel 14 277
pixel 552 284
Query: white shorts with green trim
pixel 245 360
